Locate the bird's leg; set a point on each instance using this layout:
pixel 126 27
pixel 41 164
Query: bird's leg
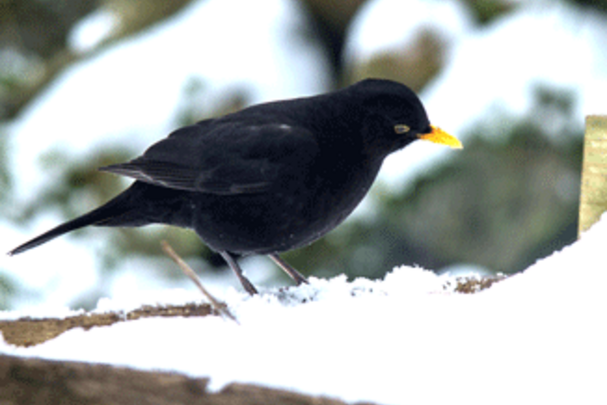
pixel 248 286
pixel 294 274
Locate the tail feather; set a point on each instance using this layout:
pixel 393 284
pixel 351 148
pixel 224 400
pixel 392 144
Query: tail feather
pixel 99 216
pixel 141 204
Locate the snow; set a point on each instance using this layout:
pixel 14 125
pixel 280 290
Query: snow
pixel 92 30
pixel 536 337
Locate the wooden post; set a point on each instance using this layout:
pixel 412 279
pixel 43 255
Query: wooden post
pixel 593 198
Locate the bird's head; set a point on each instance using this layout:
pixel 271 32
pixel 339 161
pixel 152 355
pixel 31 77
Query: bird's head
pixel 396 112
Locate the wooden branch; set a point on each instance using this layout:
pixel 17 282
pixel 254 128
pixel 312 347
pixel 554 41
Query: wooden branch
pixel 29 332
pixel 25 381
pixel 593 198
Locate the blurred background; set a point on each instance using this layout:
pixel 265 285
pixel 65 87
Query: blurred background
pixel 90 83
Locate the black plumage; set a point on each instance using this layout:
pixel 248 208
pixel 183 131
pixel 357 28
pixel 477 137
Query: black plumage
pixel 269 178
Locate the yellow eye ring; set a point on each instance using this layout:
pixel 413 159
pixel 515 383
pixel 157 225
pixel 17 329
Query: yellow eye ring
pixel 401 128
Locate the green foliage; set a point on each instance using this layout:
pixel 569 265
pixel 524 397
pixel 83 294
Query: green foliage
pixel 5 182
pixel 195 90
pixel 7 291
pixel 600 5
pixel 486 11
pixel 414 66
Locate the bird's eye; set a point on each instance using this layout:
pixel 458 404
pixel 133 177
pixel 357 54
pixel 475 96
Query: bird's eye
pixel 401 129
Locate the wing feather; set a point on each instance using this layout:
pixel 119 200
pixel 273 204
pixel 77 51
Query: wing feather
pixel 229 159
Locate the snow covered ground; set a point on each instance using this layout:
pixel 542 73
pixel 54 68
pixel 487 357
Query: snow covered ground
pixel 533 338
pixel 537 337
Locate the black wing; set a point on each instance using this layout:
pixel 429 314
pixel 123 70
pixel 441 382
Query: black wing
pixel 223 158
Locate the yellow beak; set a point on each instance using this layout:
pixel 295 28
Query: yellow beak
pixel 439 136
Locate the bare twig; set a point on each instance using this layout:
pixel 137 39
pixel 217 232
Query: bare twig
pixel 217 305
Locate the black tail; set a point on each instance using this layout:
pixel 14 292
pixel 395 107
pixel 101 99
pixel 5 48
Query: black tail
pixel 104 215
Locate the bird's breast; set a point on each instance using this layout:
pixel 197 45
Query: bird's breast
pixel 296 212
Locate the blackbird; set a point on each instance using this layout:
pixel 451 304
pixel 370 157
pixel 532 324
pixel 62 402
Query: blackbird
pixel 269 178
